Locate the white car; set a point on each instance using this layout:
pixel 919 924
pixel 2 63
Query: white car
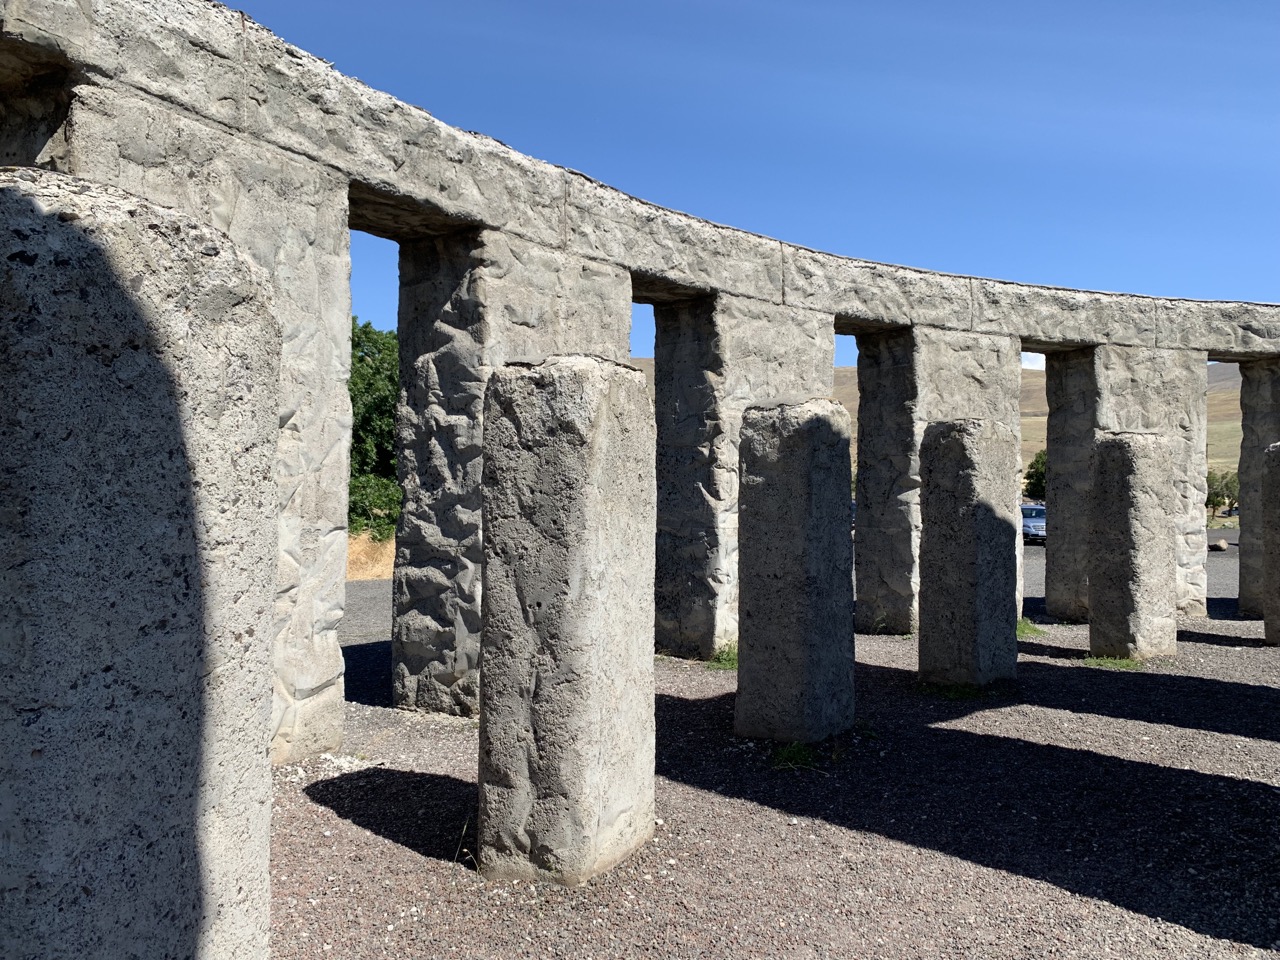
pixel 1032 523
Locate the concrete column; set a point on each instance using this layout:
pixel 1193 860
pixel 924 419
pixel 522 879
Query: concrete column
pixel 795 646
pixel 1072 393
pixel 696 551
pixel 887 536
pixel 288 215
pixel 1270 504
pixel 470 302
pixel 1132 587
pixel 713 359
pixel 907 379
pixel 1260 420
pixel 1154 390
pixel 969 552
pixel 566 718
pixel 139 384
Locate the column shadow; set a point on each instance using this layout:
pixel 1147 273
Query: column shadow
pixel 1195 849
pixel 431 814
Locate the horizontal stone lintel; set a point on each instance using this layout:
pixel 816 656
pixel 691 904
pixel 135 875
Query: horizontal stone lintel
pixel 214 63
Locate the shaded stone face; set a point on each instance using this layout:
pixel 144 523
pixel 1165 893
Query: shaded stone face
pixel 1260 422
pixel 1270 509
pixel 139 364
pixel 969 552
pixel 1072 393
pixel 795 641
pixel 1133 565
pixel 566 696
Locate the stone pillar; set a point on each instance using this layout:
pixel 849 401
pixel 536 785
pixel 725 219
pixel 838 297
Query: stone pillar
pixel 469 303
pixel 566 718
pixel 1270 523
pixel 1132 587
pixel 288 216
pixel 795 643
pixel 713 359
pixel 139 383
pixel 888 484
pixel 1260 420
pixel 1072 393
pixel 696 551
pixel 969 552
pixel 906 379
pixel 1154 390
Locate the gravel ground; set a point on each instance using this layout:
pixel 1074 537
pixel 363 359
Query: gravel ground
pixel 1085 812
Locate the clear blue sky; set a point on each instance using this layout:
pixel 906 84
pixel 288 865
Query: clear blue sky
pixel 1131 145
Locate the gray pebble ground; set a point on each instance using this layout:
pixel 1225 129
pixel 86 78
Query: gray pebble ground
pixel 1083 812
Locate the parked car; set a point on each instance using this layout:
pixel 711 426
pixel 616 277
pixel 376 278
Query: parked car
pixel 1032 523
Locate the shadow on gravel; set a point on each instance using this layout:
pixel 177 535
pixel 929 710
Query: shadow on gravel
pixel 431 814
pixel 1191 848
pixel 1219 640
pixel 1053 651
pixel 368 676
pixel 1195 703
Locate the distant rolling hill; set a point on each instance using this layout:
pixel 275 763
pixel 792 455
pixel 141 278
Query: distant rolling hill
pixel 1224 408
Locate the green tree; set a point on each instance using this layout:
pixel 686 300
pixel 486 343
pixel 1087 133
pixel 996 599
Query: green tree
pixel 374 495
pixel 1231 489
pixel 375 389
pixel 1035 480
pixel 1215 493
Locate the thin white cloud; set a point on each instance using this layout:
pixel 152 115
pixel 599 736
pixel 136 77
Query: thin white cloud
pixel 1033 361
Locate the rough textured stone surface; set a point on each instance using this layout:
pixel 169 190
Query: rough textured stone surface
pixel 289 217
pixel 888 485
pixel 713 359
pixel 1072 390
pixel 468 304
pixel 138 396
pixel 1164 391
pixel 1270 503
pixel 795 637
pixel 907 379
pixel 1132 567
pixel 969 552
pixel 1260 420
pixel 566 715
pixel 214 65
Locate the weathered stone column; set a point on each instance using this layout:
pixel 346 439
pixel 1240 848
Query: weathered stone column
pixel 566 717
pixel 888 485
pixel 696 589
pixel 288 216
pixel 139 383
pixel 1270 523
pixel 713 359
pixel 969 552
pixel 906 379
pixel 1072 387
pixel 1132 587
pixel 468 304
pixel 795 627
pixel 1154 390
pixel 1260 420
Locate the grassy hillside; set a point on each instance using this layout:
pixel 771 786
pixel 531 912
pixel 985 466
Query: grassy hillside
pixel 1224 408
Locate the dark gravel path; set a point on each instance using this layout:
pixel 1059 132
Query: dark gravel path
pixel 1086 812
